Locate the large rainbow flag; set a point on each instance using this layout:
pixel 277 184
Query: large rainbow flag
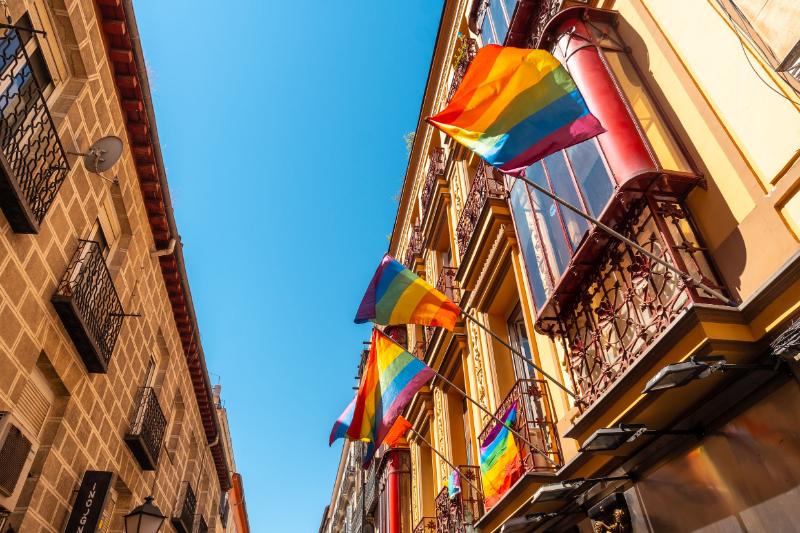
pixel 390 379
pixel 501 464
pixel 516 106
pixel 398 296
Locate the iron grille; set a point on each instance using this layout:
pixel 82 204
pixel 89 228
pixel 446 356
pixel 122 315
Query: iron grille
pixel 446 284
pixel 465 52
pixel 89 307
pixel 414 246
pixel 33 163
pixel 460 513
pixel 487 184
pixel 183 517
pixel 426 524
pixel 435 171
pixel 148 426
pixel 535 416
pixel 13 455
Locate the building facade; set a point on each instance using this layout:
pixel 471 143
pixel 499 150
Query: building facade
pixel 681 387
pixel 104 394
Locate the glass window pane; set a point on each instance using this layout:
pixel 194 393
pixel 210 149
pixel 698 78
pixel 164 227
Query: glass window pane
pixel 487 32
pixel 498 19
pixel 546 213
pixel 577 226
pixel 510 5
pixel 524 222
pixel 591 174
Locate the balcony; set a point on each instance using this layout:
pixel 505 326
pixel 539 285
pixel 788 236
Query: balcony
pixel 620 302
pixel 460 513
pixel 535 422
pixel 446 284
pixel 200 525
pixel 463 56
pixel 89 307
pixel 147 430
pixel 426 524
pixel 435 173
pixel 414 250
pixel 371 486
pixel 33 163
pixel 486 185
pixel 183 516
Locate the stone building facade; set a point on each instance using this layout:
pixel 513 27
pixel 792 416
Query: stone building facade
pixel 101 366
pixel 699 166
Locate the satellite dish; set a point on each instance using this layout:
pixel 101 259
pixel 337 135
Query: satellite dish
pixel 103 154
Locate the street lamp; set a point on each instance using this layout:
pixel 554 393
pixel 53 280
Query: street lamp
pixel 608 439
pixel 679 374
pixel 146 518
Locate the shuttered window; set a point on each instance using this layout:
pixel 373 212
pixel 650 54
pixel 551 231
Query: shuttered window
pixel 13 454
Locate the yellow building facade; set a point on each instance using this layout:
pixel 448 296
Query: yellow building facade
pixel 699 166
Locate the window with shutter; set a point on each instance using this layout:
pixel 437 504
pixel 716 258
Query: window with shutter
pixel 13 454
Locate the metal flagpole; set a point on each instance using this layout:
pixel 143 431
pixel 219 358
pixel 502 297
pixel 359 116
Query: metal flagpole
pixel 441 455
pixel 517 353
pixel 683 275
pixel 482 408
pixel 514 431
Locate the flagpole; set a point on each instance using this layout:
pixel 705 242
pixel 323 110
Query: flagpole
pixel 683 275
pixel 517 353
pixel 441 455
pixel 482 408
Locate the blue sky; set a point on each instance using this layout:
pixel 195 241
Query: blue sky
pixel 282 129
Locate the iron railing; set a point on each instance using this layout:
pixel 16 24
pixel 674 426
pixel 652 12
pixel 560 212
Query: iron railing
pixel 460 513
pixel 33 163
pixel 487 183
pixel 446 284
pixel 435 171
pixel 183 517
pixel 88 305
pixel 148 427
pixel 371 486
pixel 463 56
pixel 535 422
pixel 625 303
pixel 426 524
pixel 414 247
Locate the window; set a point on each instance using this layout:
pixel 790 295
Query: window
pixel 549 233
pixel 772 26
pixel 496 20
pixel 99 236
pixel 518 337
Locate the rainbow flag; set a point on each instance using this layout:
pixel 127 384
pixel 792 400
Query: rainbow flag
pixel 398 296
pixel 516 106
pixel 501 464
pixel 390 379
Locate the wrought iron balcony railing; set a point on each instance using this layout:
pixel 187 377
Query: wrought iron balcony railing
pixel 183 516
pixel 414 247
pixel 535 422
pixel 33 163
pixel 200 525
pixel 435 171
pixel 465 53
pixel 148 426
pixel 446 283
pixel 624 303
pixel 371 486
pixel 459 513
pixel 426 524
pixel 487 184
pixel 89 307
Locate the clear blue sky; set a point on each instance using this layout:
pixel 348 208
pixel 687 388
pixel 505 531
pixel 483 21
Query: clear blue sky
pixel 282 129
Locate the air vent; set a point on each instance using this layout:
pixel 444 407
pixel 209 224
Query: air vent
pixel 13 456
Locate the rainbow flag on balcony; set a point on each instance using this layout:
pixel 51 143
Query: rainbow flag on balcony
pixel 390 379
pixel 516 106
pixel 501 465
pixel 398 296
